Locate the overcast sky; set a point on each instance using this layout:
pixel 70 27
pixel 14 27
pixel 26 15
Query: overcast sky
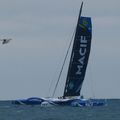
pixel 41 31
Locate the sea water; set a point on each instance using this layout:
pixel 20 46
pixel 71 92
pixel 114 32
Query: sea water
pixel 13 112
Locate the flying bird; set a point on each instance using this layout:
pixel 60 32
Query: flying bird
pixel 5 41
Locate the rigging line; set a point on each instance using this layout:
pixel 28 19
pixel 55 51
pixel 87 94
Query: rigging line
pixel 49 91
pixel 67 52
pixel 63 64
pixel 92 80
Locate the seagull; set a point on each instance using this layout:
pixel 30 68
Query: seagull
pixel 5 41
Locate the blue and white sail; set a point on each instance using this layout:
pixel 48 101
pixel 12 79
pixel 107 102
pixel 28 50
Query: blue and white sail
pixel 79 57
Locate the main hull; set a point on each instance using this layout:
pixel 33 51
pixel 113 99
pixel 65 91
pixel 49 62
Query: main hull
pixel 60 102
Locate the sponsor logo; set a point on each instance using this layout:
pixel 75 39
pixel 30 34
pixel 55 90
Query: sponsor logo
pixel 84 22
pixel 82 52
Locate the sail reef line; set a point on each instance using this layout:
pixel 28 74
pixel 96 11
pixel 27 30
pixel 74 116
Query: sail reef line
pixel 79 57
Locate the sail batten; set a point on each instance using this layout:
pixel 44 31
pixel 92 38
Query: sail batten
pixel 79 57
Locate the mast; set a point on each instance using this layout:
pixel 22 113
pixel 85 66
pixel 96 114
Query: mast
pixel 80 13
pixel 66 55
pixel 79 56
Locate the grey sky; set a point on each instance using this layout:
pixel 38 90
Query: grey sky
pixel 41 31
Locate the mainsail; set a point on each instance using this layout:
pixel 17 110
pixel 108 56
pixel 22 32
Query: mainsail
pixel 79 57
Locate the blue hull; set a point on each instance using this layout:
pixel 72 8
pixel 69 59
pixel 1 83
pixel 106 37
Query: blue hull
pixel 60 102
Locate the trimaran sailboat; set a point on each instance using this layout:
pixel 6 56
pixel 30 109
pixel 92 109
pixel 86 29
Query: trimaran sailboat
pixel 76 71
